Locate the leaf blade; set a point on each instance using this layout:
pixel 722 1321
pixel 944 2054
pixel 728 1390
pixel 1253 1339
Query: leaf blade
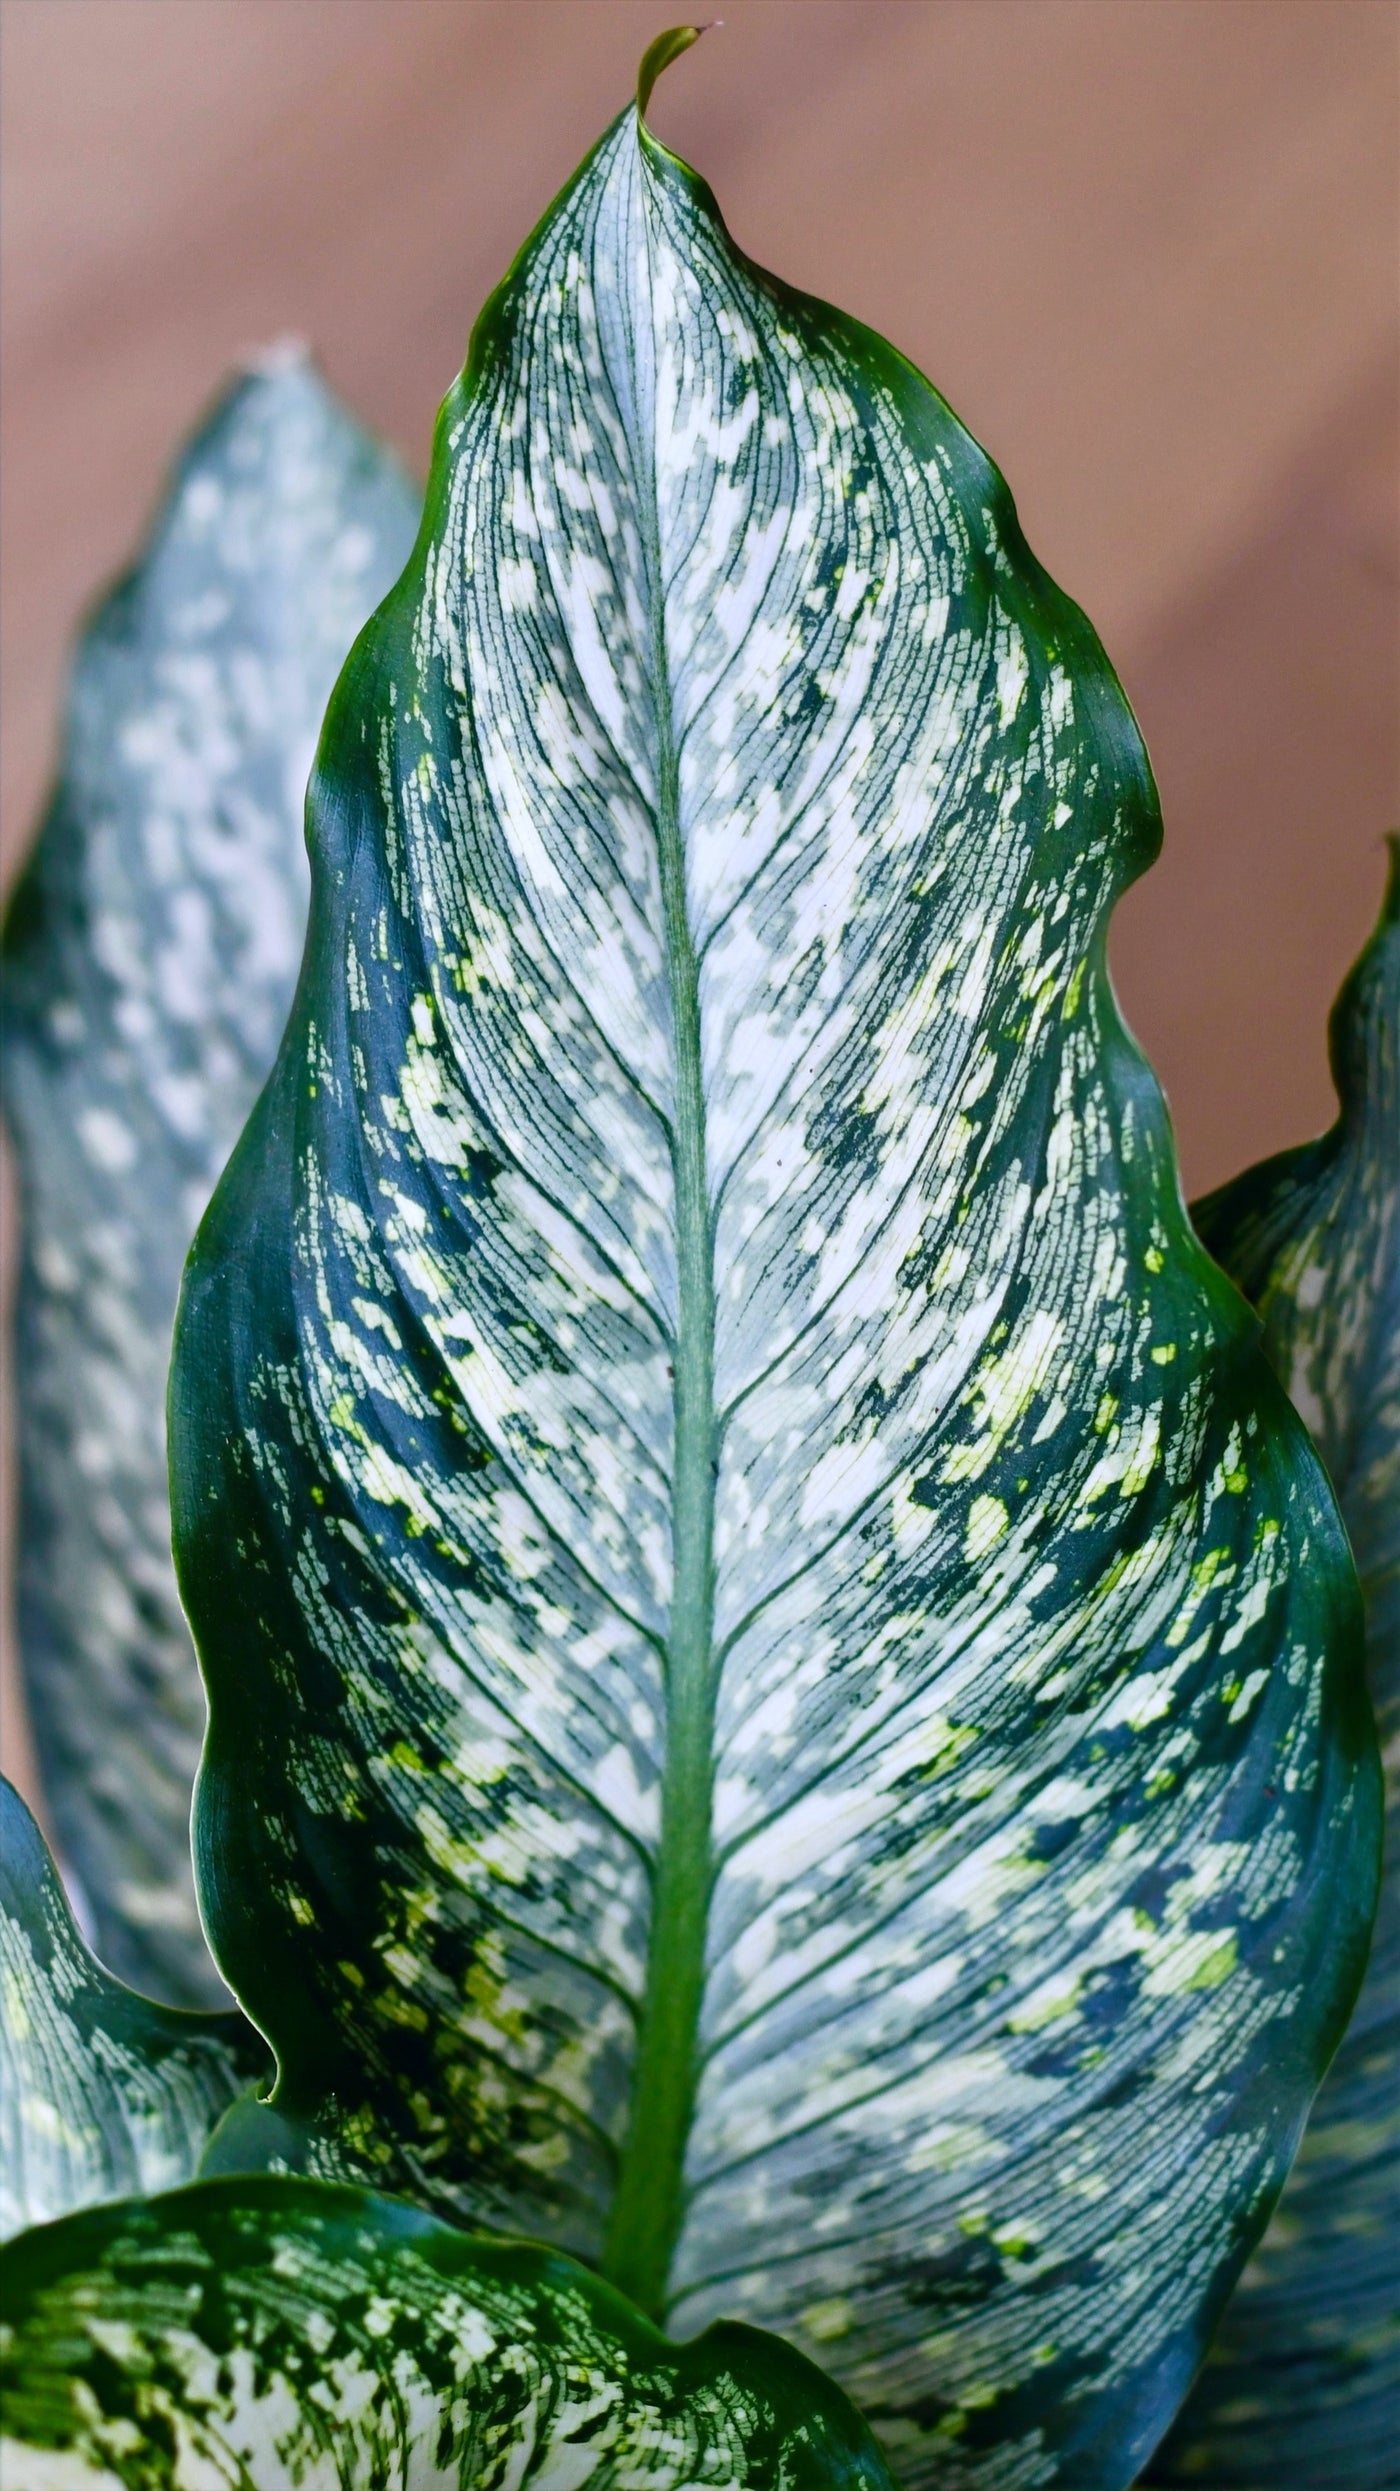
pixel 150 953
pixel 320 2335
pixel 708 566
pixel 1309 2348
pixel 102 2093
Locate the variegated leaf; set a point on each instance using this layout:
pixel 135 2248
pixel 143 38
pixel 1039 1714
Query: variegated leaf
pixel 275 2332
pixel 786 1699
pixel 149 960
pixel 101 2092
pixel 1302 2389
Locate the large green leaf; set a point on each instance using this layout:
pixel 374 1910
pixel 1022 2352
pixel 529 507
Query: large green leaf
pixel 276 2332
pixel 1302 2390
pixel 101 2092
pixel 786 1699
pixel 149 961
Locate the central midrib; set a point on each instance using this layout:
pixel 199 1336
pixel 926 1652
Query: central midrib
pixel 648 2205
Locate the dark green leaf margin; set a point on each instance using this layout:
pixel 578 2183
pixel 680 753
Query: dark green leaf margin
pixel 1302 2388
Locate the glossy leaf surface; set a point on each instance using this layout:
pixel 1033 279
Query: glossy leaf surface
pixel 785 1687
pixel 276 2332
pixel 149 960
pixel 102 2093
pixel 1302 2389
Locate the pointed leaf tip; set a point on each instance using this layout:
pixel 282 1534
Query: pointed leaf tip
pixel 288 353
pixel 659 56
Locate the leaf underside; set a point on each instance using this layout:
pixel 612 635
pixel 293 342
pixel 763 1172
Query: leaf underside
pixel 326 2338
pixel 102 2093
pixel 149 961
pixel 1302 2389
pixel 785 1688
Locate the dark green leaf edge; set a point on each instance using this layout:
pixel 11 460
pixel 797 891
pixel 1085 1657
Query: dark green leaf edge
pixel 1301 2390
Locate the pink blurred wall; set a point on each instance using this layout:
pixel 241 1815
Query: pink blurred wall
pixel 1148 248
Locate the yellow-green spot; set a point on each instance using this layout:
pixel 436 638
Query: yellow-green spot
pixel 987 1521
pixel 1046 2005
pixel 1218 1964
pixel 946 1742
pixel 17 2015
pixel 1014 2242
pixel 826 2321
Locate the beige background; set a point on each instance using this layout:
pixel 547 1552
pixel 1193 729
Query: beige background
pixel 1148 248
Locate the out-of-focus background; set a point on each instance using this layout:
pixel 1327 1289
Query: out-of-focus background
pixel 1147 248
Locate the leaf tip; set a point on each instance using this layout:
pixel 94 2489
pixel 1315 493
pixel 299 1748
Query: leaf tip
pixel 660 54
pixel 291 353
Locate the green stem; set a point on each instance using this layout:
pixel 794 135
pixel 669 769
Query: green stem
pixel 647 2209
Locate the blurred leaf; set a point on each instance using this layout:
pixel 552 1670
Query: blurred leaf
pixel 278 2332
pixel 103 2094
pixel 786 1701
pixel 1302 2389
pixel 149 957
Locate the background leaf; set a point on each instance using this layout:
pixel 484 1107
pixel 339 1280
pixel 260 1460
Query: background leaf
pixel 785 1687
pixel 102 2094
pixel 1302 2389
pixel 149 957
pixel 276 2330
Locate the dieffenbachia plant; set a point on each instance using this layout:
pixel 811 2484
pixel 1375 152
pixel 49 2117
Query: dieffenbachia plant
pixel 785 1687
pixel 786 1690
pixel 1302 2389
pixel 149 960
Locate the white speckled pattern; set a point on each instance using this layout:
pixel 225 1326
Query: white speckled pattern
pixel 102 2094
pixel 282 2337
pixel 150 958
pixel 1302 2389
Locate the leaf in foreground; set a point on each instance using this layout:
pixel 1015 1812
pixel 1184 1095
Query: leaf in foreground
pixel 1302 2389
pixel 149 961
pixel 786 1698
pixel 277 2330
pixel 102 2093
